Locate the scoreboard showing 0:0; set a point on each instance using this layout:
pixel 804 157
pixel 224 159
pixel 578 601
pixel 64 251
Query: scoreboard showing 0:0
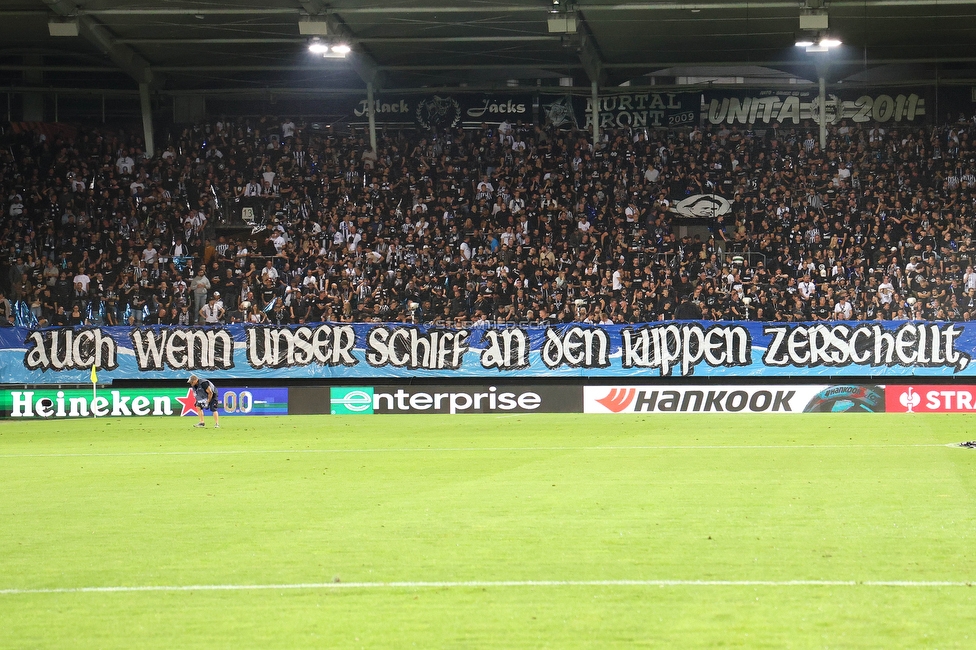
pixel 253 401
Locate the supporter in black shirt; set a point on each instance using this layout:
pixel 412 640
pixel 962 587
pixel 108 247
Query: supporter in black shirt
pixel 266 294
pixel 159 317
pixel 687 310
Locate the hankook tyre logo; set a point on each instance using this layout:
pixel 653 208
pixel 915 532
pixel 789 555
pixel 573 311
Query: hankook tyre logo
pixel 852 398
pixel 618 399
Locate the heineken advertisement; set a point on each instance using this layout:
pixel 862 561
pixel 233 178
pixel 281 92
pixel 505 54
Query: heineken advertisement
pixel 112 402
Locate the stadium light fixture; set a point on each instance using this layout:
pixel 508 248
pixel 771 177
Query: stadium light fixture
pixel 337 51
pixel 817 43
pixel 328 50
pixel 317 46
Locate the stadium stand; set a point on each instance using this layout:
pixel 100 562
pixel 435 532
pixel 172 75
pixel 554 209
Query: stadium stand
pixel 507 224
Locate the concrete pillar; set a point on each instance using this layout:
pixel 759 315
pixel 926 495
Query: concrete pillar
pixel 823 113
pixel 371 112
pixel 147 123
pixel 595 101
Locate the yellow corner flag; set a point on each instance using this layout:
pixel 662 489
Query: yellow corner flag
pixel 94 380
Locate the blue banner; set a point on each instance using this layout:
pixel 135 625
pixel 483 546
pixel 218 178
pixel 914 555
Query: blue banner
pixel 336 351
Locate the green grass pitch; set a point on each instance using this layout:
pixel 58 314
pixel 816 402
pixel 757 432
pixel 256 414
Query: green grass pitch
pixel 552 516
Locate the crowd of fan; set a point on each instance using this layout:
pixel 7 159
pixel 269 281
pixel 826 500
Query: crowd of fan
pixel 514 223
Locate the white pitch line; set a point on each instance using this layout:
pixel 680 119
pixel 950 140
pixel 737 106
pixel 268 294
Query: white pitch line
pixel 389 450
pixel 497 584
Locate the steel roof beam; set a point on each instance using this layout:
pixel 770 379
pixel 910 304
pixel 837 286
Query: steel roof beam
pixel 60 90
pixel 369 39
pixel 589 53
pixel 648 65
pixel 789 63
pixel 14 67
pixel 385 68
pixel 757 5
pixel 99 35
pixel 517 66
pixel 187 11
pixel 579 90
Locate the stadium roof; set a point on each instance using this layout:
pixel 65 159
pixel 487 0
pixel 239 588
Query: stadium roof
pixel 187 45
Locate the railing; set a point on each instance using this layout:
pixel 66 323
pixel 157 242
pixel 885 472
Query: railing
pixel 245 211
pixel 728 257
pixel 748 256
